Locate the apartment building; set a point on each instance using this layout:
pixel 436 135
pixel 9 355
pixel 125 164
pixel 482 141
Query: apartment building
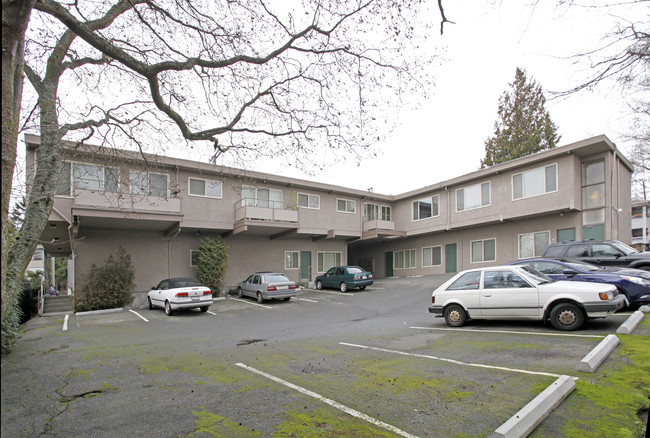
pixel 641 224
pixel 160 208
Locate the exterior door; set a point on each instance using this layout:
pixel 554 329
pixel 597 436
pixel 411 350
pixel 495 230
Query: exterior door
pixel 450 258
pixel 305 265
pixel 389 263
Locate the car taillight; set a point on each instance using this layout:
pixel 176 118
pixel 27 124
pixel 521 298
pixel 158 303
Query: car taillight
pixel 271 288
pixel 182 294
pixel 292 286
pixel 433 299
pixel 356 277
pixel 207 292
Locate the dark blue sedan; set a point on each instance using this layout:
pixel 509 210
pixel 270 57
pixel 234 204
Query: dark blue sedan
pixel 634 283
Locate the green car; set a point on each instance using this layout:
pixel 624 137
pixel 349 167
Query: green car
pixel 344 278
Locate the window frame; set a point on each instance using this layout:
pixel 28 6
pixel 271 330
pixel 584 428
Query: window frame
pixel 192 252
pixel 320 261
pixel 534 236
pixel 346 201
pixel 412 259
pixel 206 182
pixel 545 182
pixel 435 208
pixel 309 199
pixel 483 204
pixel 378 213
pixel 149 191
pixel 290 261
pixel 483 259
pixel 432 248
pixel 69 165
pixel 256 201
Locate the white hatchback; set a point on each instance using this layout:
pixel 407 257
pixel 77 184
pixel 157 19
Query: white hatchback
pixel 180 293
pixel 520 292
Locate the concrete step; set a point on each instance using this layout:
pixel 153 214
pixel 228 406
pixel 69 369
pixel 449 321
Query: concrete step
pixel 58 304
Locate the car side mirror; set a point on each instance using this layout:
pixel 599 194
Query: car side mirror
pixel 570 272
pixel 153 287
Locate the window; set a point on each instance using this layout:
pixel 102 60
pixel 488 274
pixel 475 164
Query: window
pixel 291 260
pixel 205 187
pixel 534 182
pixel 194 257
pixel 472 197
pixel 404 259
pixel 483 251
pixel 432 256
pixel 261 197
pixel 593 195
pixel 346 206
pixel 426 208
pixel 327 260
pixel 86 177
pixel 503 280
pixel 149 184
pixel 467 281
pixel 637 232
pixel 308 201
pixel 373 212
pixel 579 250
pixel 533 244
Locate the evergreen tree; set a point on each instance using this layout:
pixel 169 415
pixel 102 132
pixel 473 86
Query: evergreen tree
pixel 524 126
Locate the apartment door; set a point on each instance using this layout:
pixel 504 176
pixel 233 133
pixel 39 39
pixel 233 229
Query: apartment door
pixel 450 258
pixel 305 265
pixel 388 257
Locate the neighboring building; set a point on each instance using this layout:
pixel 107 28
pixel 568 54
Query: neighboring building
pixel 37 263
pixel 640 225
pixel 159 210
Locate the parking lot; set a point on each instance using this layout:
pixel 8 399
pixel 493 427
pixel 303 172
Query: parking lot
pixel 326 363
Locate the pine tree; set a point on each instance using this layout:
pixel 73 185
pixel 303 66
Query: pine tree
pixel 524 126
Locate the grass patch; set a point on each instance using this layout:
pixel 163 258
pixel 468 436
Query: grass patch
pixel 216 425
pixel 328 423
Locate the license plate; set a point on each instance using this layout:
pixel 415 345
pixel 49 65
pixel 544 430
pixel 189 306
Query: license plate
pixel 364 277
pixel 195 298
pixel 283 287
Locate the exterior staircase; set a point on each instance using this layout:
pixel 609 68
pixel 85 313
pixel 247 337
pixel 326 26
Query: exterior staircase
pixel 57 305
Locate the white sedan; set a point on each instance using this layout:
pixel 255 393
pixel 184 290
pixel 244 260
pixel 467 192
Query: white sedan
pixel 520 292
pixel 180 293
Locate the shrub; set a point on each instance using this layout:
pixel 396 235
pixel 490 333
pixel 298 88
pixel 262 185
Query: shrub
pixel 212 263
pixel 107 287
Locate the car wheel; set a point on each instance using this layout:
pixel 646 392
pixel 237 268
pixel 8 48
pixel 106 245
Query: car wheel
pixel 362 287
pixel 287 298
pixel 567 316
pixel 168 309
pixel 319 285
pixel 260 298
pixel 204 309
pixel 344 287
pixel 455 316
pixel 150 303
pixel 240 294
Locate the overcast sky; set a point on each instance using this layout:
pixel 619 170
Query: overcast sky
pixel 445 137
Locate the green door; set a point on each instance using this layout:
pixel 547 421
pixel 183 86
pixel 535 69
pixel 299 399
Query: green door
pixel 450 258
pixel 305 265
pixel 566 235
pixel 389 264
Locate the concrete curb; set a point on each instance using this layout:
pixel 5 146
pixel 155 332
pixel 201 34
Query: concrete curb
pixel 598 355
pixel 528 418
pixel 644 309
pixel 99 312
pixel 628 326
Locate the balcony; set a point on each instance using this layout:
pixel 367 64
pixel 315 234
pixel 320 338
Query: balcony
pixel 380 228
pixel 125 202
pixel 264 217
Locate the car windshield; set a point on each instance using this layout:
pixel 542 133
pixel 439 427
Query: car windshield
pixel 627 250
pixel 536 276
pixel 275 278
pixel 355 270
pixel 183 282
pixel 581 266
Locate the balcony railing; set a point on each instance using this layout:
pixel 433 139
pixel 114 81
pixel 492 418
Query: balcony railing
pixel 127 202
pixel 264 210
pixel 378 224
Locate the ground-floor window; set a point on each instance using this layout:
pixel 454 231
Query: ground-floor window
pixel 483 250
pixel 533 244
pixel 404 259
pixel 432 256
pixel 328 260
pixel 291 260
pixel 194 257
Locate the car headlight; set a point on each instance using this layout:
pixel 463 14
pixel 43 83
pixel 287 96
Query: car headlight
pixel 637 280
pixel 605 296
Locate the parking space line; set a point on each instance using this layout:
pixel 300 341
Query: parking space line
pixel 65 322
pixel 330 402
pixel 137 314
pixel 509 332
pixel 248 302
pixel 212 313
pixel 457 362
pixel 332 292
pixel 305 299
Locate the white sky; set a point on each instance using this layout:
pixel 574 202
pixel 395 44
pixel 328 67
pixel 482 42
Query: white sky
pixel 445 137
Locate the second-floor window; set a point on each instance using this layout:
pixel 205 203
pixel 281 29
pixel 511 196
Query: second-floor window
pixel 373 212
pixel 534 182
pixel 86 177
pixel 426 208
pixel 308 201
pixel 149 184
pixel 471 197
pixel 261 197
pixel 346 206
pixel 205 187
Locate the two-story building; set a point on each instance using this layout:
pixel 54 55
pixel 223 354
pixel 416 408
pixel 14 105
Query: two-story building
pixel 159 208
pixel 641 224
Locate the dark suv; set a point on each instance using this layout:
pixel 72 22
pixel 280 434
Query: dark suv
pixel 603 253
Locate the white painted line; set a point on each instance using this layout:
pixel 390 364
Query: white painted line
pixel 457 362
pixel 630 324
pixel 345 294
pixel 509 331
pixel 137 314
pixel 528 418
pixel 212 313
pixel 598 355
pixel 330 402
pixel 305 299
pixel 65 322
pixel 248 302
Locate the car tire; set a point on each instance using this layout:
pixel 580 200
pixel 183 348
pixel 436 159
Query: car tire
pixel 455 316
pixel 362 287
pixel 240 294
pixel 287 298
pixel 344 287
pixel 319 285
pixel 150 303
pixel 168 309
pixel 567 316
pixel 204 309
pixel 260 298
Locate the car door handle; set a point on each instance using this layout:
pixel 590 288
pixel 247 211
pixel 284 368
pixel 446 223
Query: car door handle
pixel 487 295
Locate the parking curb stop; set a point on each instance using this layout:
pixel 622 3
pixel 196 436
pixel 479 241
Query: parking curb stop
pixel 628 326
pixel 591 361
pixel 530 416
